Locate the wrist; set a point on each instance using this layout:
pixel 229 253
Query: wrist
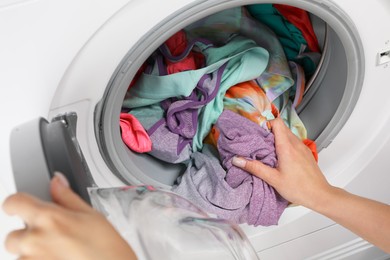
pixel 323 199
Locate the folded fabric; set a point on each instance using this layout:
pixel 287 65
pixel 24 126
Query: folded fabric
pixel 133 134
pixel 226 190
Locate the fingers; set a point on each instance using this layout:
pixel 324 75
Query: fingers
pixel 28 207
pixel 22 242
pixel 258 169
pixel 283 138
pixel 24 206
pixel 286 142
pixel 12 241
pixel 282 133
pixel 64 196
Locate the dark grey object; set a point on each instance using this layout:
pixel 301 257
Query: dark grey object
pixel 40 148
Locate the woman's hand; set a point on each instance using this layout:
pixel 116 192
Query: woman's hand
pixel 297 177
pixel 299 180
pixel 66 229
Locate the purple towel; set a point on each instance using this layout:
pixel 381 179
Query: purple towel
pixel 226 190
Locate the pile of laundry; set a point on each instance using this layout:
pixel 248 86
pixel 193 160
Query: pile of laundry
pixel 207 94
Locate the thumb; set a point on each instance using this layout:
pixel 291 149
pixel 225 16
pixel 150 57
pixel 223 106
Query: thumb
pixel 257 168
pixel 63 195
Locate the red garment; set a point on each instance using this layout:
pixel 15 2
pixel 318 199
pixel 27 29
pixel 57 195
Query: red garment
pixel 177 44
pixel 312 146
pixel 300 19
pixel 133 134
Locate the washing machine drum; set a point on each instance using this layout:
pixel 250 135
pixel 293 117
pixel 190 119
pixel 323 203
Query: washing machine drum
pixel 331 91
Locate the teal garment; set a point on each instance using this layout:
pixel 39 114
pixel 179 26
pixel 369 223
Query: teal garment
pixel 289 36
pixel 219 27
pixel 277 81
pixel 148 115
pixel 245 61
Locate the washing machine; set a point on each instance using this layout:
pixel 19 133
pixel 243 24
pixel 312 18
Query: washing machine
pixel 69 61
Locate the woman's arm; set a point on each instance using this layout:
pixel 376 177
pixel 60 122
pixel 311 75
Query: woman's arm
pixel 66 229
pixel 299 180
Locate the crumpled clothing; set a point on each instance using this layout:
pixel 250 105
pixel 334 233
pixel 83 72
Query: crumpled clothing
pixel 133 134
pixel 176 45
pixel 174 132
pixel 301 20
pixel 179 109
pixel 244 61
pixel 291 38
pixel 282 81
pixel 165 143
pixel 228 191
pixel 250 101
pixel 219 27
pixel 291 99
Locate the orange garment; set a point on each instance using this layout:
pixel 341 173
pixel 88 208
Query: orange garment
pixel 312 146
pixel 250 101
pixel 251 93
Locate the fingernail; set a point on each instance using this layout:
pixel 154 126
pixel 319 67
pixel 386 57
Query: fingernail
pixel 239 162
pixel 62 179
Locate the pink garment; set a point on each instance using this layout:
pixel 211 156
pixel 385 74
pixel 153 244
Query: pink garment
pixel 177 44
pixel 133 134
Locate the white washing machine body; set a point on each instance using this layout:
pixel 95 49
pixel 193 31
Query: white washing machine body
pixel 61 56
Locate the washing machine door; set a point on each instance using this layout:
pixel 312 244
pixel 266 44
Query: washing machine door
pixel 40 148
pixel 154 222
